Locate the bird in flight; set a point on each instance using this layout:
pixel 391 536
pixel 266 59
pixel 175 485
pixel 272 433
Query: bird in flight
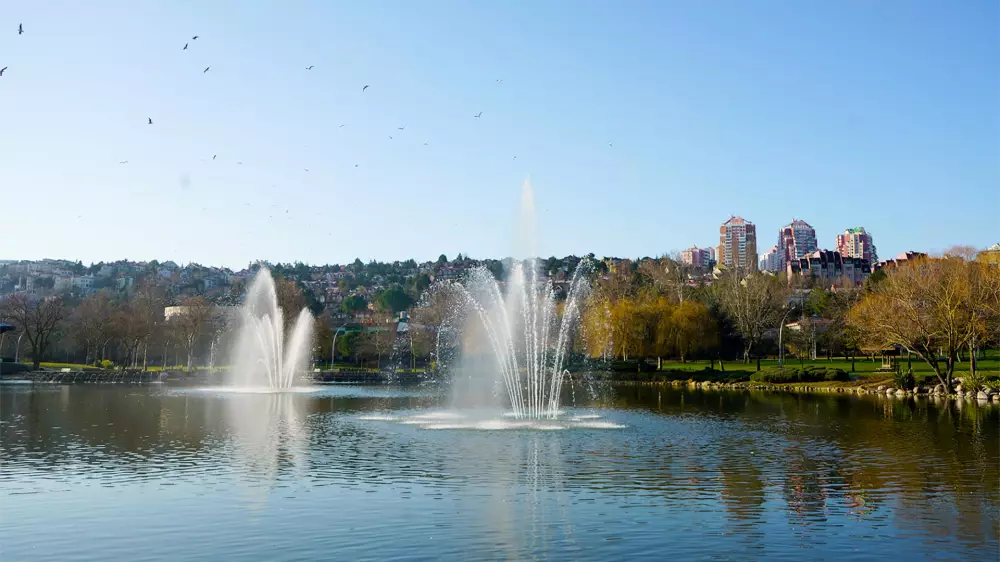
pixel 609 144
pixel 239 163
pixel 365 88
pixel 400 128
pixel 213 156
pixel 425 144
pixel 514 158
pixel 2 69
pixel 195 38
pixel 355 165
pixel 499 80
pixel 478 115
pixel 150 120
pixel 206 69
pixel 124 162
pixel 341 127
pixel 390 137
pixel 185 47
pixel 20 29
pixel 306 169
pixel 310 67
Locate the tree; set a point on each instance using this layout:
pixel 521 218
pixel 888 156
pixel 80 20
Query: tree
pixel 134 322
pixel 323 336
pixel 668 275
pixel 353 304
pixel 596 327
pixel 422 283
pixel 394 299
pixel 442 260
pixel 754 304
pixel 693 328
pixel 657 316
pixel 628 331
pixel 290 300
pixel 347 344
pixel 196 320
pixel 37 318
pixel 929 305
pixel 378 341
pixel 91 324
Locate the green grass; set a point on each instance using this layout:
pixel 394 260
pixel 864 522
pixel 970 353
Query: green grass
pixel 865 370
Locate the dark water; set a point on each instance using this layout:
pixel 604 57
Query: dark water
pixel 154 473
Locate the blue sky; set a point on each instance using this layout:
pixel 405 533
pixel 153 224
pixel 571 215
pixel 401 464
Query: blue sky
pixel 643 126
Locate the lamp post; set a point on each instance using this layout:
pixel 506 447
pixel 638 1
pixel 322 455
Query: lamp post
pixel 17 347
pixel 333 347
pixel 781 329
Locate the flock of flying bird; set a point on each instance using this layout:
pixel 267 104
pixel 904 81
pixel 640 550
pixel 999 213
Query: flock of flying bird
pixel 20 31
pixel 310 67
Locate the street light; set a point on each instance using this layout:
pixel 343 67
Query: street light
pixel 17 347
pixel 781 328
pixel 333 347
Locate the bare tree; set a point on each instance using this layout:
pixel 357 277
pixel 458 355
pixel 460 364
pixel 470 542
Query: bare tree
pixel 379 341
pixel 134 322
pixel 91 324
pixel 38 318
pixel 197 319
pixel 668 275
pixel 754 304
pixel 929 305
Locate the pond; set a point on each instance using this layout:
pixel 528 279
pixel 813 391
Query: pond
pixel 348 473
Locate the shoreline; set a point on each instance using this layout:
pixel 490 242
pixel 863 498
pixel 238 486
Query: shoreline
pixel 982 397
pixel 855 387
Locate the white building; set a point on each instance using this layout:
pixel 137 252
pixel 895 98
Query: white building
pixel 772 260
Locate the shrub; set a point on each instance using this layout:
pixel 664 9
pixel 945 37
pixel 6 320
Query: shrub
pixel 904 380
pixel 973 382
pixel 807 374
pixel 105 364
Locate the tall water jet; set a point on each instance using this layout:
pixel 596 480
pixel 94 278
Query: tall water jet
pixel 527 328
pixel 265 356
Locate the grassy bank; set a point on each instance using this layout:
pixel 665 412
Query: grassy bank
pixel 865 371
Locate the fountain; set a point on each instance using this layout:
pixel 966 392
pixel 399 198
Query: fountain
pixel 264 358
pixel 527 333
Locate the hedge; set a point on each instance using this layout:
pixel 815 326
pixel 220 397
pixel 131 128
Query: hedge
pixel 806 374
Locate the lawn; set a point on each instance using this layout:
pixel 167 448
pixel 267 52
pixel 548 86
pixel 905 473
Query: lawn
pixel 864 367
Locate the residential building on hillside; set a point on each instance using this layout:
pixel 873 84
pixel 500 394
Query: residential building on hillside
pixel 694 256
pixel 990 255
pixel 830 268
pixel 856 243
pixel 900 259
pixel 738 244
pixel 795 240
pixel 771 261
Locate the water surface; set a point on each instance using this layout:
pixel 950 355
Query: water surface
pixel 160 473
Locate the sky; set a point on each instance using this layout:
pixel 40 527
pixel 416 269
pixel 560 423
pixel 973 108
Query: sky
pixel 642 125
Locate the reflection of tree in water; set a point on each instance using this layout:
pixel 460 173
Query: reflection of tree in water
pixel 926 464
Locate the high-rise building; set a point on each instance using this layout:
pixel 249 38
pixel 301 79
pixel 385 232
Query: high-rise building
pixel 738 244
pixel 703 258
pixel 795 240
pixel 771 261
pixel 856 243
